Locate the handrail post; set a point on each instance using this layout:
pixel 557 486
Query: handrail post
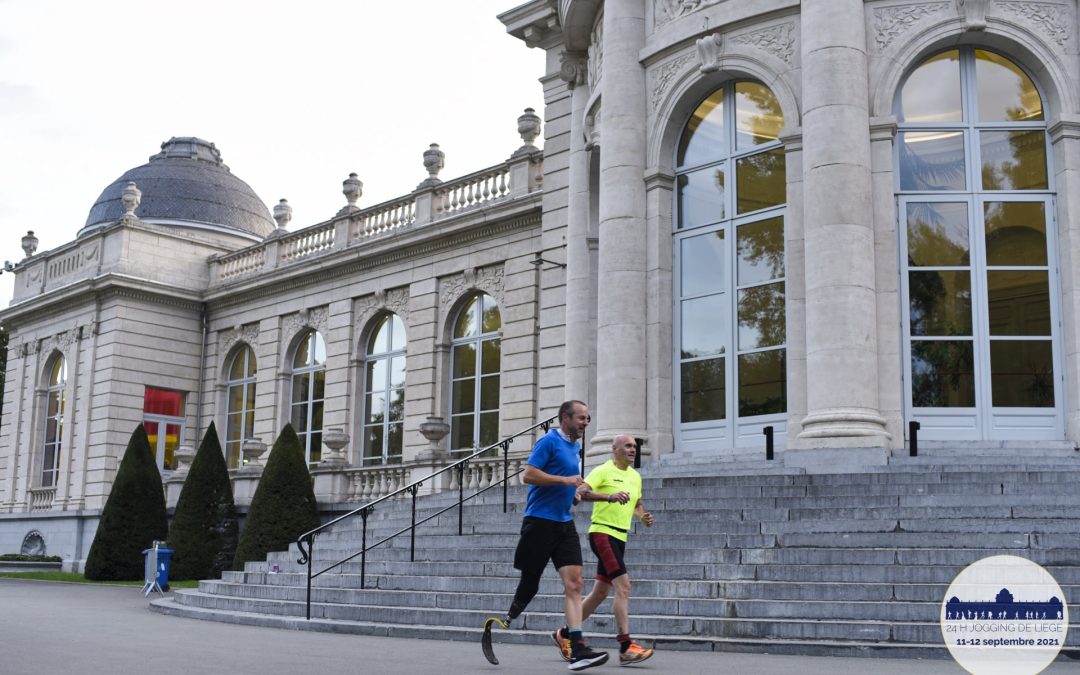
pixel 363 548
pixel 461 497
pixel 913 436
pixel 581 457
pixel 506 472
pixel 768 431
pixel 311 554
pixel 412 530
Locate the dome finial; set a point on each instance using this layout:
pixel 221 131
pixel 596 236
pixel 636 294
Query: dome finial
pixel 131 197
pixel 282 215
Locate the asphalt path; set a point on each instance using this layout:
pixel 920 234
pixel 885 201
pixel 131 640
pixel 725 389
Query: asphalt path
pixel 84 629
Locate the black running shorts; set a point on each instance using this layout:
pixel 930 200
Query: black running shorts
pixel 609 556
pixel 542 540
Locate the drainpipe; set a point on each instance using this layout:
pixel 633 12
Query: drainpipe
pixel 202 373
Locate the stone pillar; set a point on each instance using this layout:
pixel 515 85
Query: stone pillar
pixel 841 330
pixel 580 335
pixel 621 287
pixel 1065 143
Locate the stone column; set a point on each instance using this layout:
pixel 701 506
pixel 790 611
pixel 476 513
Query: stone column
pixel 580 335
pixel 841 330
pixel 621 287
pixel 1065 143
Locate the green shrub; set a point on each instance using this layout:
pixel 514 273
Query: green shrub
pixel 204 528
pixel 21 557
pixel 133 517
pixel 284 505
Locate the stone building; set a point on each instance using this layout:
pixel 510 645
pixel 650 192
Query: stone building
pixel 841 221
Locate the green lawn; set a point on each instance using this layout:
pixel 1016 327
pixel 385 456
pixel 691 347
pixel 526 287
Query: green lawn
pixel 72 578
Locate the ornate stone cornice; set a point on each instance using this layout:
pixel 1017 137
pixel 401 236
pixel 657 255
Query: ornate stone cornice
pixel 488 279
pixel 1050 18
pixel 573 69
pixel 665 75
pixel 891 22
pixel 778 41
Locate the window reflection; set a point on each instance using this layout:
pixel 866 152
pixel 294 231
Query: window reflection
pixel 932 91
pixel 384 396
pixel 475 375
pixel 942 374
pixel 762 181
pixel 940 303
pixel 1015 233
pixel 1022 373
pixel 1005 93
pixel 702 263
pixel 763 383
pixel 704 139
pixel 937 234
pixel 1019 302
pixel 1013 160
pixel 757 115
pixel 761 316
pixel 703 395
pixel 701 197
pixel 932 160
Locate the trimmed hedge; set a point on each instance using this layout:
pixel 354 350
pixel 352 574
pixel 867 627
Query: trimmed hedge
pixel 22 557
pixel 133 517
pixel 284 505
pixel 204 528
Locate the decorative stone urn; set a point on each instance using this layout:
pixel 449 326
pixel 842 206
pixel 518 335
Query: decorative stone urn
pixel 434 430
pixel 252 449
pixel 434 161
pixel 184 456
pixel 131 197
pixel 335 439
pixel 29 244
pixel 353 189
pixel 282 216
pixel 529 128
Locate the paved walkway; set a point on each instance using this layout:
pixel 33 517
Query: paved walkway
pixel 53 629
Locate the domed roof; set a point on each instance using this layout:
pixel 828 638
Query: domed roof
pixel 187 184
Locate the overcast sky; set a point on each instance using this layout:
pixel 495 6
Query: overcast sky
pixel 296 95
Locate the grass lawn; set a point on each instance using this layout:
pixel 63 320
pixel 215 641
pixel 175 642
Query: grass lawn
pixel 72 578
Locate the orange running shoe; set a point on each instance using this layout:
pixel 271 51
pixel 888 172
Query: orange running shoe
pixel 635 653
pixel 563 643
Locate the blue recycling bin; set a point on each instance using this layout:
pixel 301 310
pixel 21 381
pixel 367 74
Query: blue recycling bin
pixel 163 557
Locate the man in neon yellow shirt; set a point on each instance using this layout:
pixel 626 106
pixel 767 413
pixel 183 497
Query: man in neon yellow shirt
pixel 615 489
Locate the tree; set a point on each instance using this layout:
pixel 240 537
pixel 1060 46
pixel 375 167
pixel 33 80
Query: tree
pixel 204 528
pixel 284 505
pixel 133 517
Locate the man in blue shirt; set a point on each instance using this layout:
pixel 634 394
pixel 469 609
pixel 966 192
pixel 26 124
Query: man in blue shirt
pixel 553 474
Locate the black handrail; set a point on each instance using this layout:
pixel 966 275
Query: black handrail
pixel 306 541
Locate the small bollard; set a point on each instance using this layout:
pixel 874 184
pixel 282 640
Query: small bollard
pixel 768 431
pixel 913 437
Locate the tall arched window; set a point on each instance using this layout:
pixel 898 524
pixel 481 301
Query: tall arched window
pixel 977 240
pixel 54 423
pixel 308 391
pixel 730 329
pixel 240 417
pixel 384 391
pixel 474 382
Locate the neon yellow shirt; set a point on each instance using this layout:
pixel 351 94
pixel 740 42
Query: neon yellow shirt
pixel 611 517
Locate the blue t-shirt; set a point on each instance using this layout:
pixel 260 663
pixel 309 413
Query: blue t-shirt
pixel 555 455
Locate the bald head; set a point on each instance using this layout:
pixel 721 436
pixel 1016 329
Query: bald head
pixel 624 450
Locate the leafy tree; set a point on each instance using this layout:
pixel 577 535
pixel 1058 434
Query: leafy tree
pixel 204 528
pixel 284 505
pixel 133 517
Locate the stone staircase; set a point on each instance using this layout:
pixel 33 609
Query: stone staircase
pixel 744 556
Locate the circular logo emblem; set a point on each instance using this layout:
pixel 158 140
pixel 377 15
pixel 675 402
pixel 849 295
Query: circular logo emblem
pixel 1004 615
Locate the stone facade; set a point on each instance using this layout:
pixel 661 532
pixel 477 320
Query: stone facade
pixel 581 246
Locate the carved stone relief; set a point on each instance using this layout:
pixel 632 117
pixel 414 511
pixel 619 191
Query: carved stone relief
pixel 665 75
pixel 573 69
pixel 395 300
pixel 891 22
pixel 709 49
pixel 1051 19
pixel 310 318
pixel 487 279
pixel 58 342
pixel 248 334
pixel 596 53
pixel 776 40
pixel 666 11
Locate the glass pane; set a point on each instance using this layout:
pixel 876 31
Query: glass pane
pixel 316 416
pixel 49 458
pixel 58 375
pixel 240 368
pixel 376 375
pixel 937 234
pixel 232 455
pixel 464 360
pixel 249 424
pixel 250 403
pixel 319 390
pixel 236 398
pixel 757 115
pixel 53 404
pixel 161 402
pixel 299 418
pixel 761 251
pixel 172 442
pixel 931 160
pixel 1022 373
pixel 469 320
pixel 489 429
pixel 319 349
pixel 397 405
pixel 705 326
pixel 380 337
pixel 932 91
pixel 1005 92
pixel 942 374
pixel 761 181
pixel 492 321
pixel 704 138
pixel 489 392
pixel 151 429
pixel 940 303
pixel 233 428
pixel 490 351
pixel 703 390
pixel 375 406
pixel 373 444
pixel 397 371
pixel 315 448
pixel 303 353
pixel 52 431
pixel 761 316
pixel 463 396
pixel 701 196
pixel 397 334
pixel 1013 160
pixel 461 432
pixel 1015 233
pixel 301 387
pixel 702 263
pixel 763 383
pixel 1019 302
pixel 394 444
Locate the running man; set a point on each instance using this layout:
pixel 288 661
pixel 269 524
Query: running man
pixel 615 489
pixel 553 474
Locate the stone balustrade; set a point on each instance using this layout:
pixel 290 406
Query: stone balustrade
pixel 473 190
pixel 41 498
pixel 383 218
pixel 307 242
pixel 486 471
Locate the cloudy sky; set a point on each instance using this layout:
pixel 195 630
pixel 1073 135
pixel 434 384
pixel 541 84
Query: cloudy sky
pixel 296 95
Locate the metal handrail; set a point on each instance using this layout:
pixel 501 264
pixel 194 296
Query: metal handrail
pixel 306 541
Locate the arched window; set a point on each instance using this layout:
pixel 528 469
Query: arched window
pixel 54 423
pixel 384 392
pixel 977 241
pixel 308 391
pixel 730 329
pixel 240 417
pixel 474 382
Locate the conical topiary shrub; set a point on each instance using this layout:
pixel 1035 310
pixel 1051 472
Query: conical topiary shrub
pixel 283 507
pixel 204 528
pixel 133 517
